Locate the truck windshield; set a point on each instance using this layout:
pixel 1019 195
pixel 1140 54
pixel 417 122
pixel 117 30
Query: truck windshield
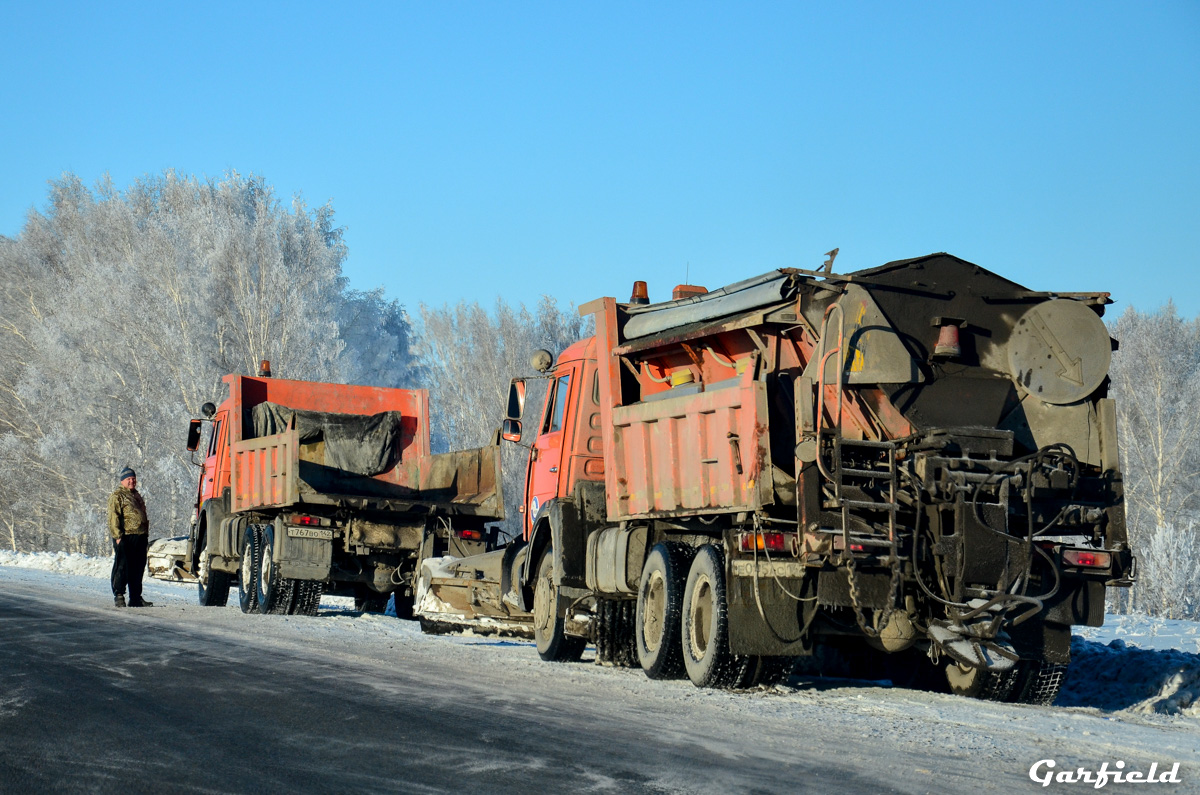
pixel 560 404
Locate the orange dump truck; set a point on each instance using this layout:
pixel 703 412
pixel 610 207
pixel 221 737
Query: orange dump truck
pixel 916 464
pixel 308 488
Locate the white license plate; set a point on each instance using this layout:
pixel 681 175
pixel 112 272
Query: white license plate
pixel 310 532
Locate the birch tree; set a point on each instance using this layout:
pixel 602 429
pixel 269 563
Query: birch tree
pixel 1156 383
pixel 121 312
pixel 468 356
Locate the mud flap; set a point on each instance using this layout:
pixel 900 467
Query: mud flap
pixel 302 558
pixel 780 633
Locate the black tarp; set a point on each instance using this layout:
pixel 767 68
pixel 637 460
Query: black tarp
pixel 356 443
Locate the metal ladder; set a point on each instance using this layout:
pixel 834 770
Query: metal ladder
pixel 842 473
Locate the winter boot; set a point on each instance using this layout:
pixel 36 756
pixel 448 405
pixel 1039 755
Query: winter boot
pixel 141 603
pixel 119 600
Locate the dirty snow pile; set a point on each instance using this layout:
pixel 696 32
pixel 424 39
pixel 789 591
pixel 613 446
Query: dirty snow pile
pixel 1121 676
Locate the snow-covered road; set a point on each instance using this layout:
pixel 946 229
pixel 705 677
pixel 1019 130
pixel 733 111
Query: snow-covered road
pixel 396 710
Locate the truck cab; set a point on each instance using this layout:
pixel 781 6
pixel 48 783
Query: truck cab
pixel 568 447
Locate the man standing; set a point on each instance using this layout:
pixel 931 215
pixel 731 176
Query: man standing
pixel 129 527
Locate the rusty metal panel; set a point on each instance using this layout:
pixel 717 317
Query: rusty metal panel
pixel 468 479
pixel 694 453
pixel 265 472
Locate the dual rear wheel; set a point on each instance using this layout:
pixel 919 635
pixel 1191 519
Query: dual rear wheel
pixel 683 622
pixel 261 589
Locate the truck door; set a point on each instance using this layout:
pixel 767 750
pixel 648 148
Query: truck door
pixel 208 480
pixel 546 456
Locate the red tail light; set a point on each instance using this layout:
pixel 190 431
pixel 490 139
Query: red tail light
pixel 303 520
pixel 1086 558
pixel 470 535
pixel 771 542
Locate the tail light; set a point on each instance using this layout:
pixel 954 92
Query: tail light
pixel 469 535
pixel 839 544
pixel 304 520
pixel 1087 558
pixel 770 541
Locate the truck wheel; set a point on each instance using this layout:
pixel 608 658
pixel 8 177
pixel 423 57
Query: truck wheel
pixel 705 630
pixel 404 605
pixel 660 610
pixel 764 671
pixel 248 573
pixel 308 597
pixel 275 594
pixel 213 585
pixel 979 683
pixel 1037 682
pixel 368 601
pixel 549 630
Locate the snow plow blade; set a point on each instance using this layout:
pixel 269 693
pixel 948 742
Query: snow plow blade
pixel 164 560
pixel 471 594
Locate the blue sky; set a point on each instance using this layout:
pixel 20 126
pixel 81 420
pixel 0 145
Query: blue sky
pixel 476 150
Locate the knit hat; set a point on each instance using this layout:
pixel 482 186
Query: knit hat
pixel 126 473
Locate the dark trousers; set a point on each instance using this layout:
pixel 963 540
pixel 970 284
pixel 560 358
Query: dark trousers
pixel 129 562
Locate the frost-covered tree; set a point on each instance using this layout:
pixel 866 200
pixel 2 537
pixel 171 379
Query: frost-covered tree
pixel 1170 585
pixel 1156 384
pixel 1156 378
pixel 378 336
pixel 468 356
pixel 122 310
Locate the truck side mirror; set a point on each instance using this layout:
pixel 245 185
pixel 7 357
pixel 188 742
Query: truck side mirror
pixel 516 401
pixel 193 440
pixel 511 431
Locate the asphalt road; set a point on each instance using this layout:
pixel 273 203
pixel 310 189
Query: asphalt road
pixel 180 698
pixel 100 700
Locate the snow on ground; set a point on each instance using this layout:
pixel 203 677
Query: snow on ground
pixel 1133 664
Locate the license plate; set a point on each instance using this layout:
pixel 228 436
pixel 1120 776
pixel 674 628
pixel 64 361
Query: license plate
pixel 776 568
pixel 309 532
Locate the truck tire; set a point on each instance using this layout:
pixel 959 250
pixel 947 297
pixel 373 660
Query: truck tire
pixel 549 631
pixel 978 683
pixel 660 610
pixel 213 585
pixel 248 573
pixel 308 597
pixel 763 671
pixel 275 594
pixel 705 631
pixel 404 605
pixel 368 601
pixel 1037 682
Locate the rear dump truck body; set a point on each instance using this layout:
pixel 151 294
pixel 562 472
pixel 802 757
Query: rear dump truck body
pixel 313 487
pixel 915 465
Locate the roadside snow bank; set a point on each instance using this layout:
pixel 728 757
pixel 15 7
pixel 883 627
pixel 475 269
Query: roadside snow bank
pixel 65 562
pixel 1120 676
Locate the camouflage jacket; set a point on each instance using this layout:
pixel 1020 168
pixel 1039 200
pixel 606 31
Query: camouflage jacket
pixel 127 514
